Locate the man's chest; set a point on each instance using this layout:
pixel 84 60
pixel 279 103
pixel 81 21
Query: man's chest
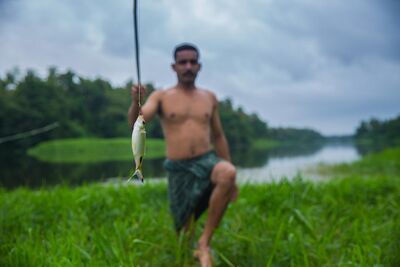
pixel 180 109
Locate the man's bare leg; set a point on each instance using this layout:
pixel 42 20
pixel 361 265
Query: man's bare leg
pixel 223 178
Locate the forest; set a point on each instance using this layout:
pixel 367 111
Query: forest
pixel 376 135
pixel 84 107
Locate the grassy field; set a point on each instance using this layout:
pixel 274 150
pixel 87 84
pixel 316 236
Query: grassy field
pixel 386 163
pixel 265 144
pixel 86 150
pixel 353 220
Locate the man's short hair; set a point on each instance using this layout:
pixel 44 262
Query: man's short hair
pixel 186 46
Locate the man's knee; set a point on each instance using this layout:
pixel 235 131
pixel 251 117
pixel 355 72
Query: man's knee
pixel 224 173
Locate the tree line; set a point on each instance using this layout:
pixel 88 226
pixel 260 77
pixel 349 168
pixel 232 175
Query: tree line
pixel 377 134
pixel 94 108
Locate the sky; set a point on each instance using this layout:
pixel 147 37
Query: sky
pixel 324 65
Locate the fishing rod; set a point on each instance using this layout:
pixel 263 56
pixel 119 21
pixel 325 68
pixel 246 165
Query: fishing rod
pixel 135 28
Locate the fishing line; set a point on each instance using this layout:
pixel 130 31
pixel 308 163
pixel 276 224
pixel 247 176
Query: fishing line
pixel 135 28
pixel 30 133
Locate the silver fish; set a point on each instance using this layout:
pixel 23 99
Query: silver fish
pixel 138 145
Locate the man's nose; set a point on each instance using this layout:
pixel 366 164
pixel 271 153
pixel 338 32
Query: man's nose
pixel 188 65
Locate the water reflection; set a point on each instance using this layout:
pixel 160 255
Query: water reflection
pixel 250 158
pixel 289 166
pixel 371 148
pixel 18 169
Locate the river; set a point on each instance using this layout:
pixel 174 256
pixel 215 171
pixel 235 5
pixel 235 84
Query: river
pixel 18 169
pixel 288 167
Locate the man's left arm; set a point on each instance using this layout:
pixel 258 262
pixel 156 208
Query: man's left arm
pixel 219 139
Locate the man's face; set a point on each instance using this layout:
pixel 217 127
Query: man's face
pixel 186 66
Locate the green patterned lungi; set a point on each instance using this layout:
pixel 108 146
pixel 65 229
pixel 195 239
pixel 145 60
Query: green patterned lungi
pixel 189 186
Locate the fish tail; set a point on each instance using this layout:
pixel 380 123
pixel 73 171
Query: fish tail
pixel 129 178
pixel 137 174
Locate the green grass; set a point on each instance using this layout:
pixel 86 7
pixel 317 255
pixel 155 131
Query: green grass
pixel 265 144
pixel 88 150
pixel 349 221
pixel 385 163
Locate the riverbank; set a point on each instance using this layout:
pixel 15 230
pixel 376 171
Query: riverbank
pixel 89 150
pixel 353 220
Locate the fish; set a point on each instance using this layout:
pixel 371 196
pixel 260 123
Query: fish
pixel 138 146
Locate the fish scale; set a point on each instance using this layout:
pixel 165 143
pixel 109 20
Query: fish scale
pixel 138 146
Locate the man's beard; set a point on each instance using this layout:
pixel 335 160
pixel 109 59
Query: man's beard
pixel 189 74
pixel 188 77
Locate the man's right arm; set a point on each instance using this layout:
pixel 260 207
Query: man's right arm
pixel 149 109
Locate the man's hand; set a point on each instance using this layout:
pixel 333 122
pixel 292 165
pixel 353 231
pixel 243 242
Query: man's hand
pixel 134 108
pixel 135 93
pixel 148 109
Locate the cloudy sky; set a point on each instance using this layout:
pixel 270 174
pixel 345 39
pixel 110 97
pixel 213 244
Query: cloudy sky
pixel 325 65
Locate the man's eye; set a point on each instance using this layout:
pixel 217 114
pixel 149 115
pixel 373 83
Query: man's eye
pixel 184 62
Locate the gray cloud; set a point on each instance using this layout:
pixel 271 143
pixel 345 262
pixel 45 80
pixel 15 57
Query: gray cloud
pixel 304 63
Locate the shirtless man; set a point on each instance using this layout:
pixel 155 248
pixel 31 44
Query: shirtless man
pixel 192 129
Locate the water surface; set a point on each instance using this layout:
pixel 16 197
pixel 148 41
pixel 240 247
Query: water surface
pixel 18 169
pixel 290 166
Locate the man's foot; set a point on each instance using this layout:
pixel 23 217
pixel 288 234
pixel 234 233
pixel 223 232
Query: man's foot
pixel 203 255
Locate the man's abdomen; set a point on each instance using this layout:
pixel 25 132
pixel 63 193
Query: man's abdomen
pixel 187 141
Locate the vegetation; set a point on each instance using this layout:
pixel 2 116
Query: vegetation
pixel 83 107
pixel 87 150
pixel 94 108
pixel 264 144
pixel 386 163
pixel 293 136
pixel 353 220
pixel 376 135
pixel 349 221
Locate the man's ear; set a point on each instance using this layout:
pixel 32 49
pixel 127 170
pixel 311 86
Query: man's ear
pixel 173 66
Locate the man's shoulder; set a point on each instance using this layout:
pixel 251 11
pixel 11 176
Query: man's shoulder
pixel 207 92
pixel 158 93
pixel 169 90
pixel 165 92
pixel 210 94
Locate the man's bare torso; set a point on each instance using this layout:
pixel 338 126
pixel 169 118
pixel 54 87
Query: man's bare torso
pixel 186 121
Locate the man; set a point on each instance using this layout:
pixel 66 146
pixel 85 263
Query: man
pixel 197 177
